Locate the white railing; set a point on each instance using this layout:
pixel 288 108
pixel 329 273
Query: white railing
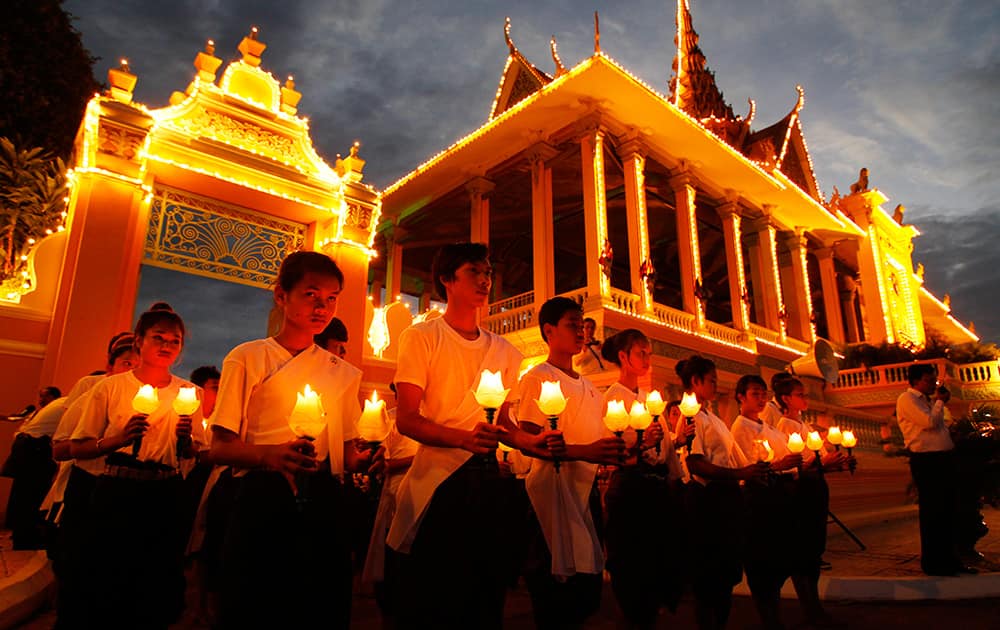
pixel 725 333
pixel 766 334
pixel 674 318
pixel 511 321
pixel 985 372
pixel 579 295
pixel 626 302
pixel 881 375
pixel 513 302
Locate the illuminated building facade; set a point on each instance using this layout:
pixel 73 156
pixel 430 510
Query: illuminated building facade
pixel 664 212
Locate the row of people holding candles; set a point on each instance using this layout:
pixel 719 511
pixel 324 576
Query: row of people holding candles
pixel 287 427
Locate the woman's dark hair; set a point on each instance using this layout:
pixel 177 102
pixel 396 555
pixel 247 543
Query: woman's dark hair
pixel 691 367
pixel 449 258
pixel 746 381
pixel 334 331
pixel 621 342
pixel 784 387
pixel 297 264
pixel 553 310
pixel 203 374
pixel 159 313
pixel 123 342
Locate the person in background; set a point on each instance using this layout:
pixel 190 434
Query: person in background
pixel 589 359
pixel 333 339
pixel 932 462
pixel 772 411
pixel 32 468
pixel 207 378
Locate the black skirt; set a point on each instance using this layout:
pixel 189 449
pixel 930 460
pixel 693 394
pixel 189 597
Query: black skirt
pixel 715 520
pixel 771 523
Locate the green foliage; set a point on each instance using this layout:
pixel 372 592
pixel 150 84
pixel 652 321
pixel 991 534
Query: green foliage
pixel 863 354
pixel 32 202
pixel 46 75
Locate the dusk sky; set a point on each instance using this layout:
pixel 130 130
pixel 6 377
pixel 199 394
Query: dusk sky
pixel 907 89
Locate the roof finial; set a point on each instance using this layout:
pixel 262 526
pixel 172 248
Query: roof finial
pixel 560 68
pixel 801 101
pixel 751 113
pixel 597 33
pixel 506 34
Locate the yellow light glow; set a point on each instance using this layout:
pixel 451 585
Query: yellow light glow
pixel 655 403
pixel 551 400
pixel 490 393
pixel 616 418
pixel 795 443
pixel 378 332
pixel 187 401
pixel 689 405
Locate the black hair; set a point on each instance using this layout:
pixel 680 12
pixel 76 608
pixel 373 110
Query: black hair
pixel 159 313
pixel 114 340
pixel 553 310
pixel 334 331
pixel 297 264
pixel 449 258
pixel 916 371
pixel 621 342
pixel 691 367
pixel 746 381
pixel 590 320
pixel 123 342
pixel 784 387
pixel 53 391
pixel 670 406
pixel 203 374
pixel 778 377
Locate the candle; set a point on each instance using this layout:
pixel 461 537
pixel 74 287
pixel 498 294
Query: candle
pixel 814 441
pixel 373 425
pixel 655 404
pixel 551 401
pixel 849 441
pixel 690 406
pixel 639 417
pixel 616 418
pixel 146 400
pixel 833 436
pixel 795 443
pixel 308 419
pixel 187 401
pixel 490 393
pixel 505 449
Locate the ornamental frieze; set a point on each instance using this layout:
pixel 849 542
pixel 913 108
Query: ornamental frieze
pixel 119 141
pixel 358 216
pixel 205 123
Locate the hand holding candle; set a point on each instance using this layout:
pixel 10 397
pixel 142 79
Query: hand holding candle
pixel 639 419
pixel 185 404
pixel 849 443
pixel 689 409
pixel 796 446
pixel 145 402
pixel 655 405
pixel 552 402
pixel 373 424
pixel 308 419
pixel 814 442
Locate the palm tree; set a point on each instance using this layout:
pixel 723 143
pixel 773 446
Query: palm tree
pixel 33 193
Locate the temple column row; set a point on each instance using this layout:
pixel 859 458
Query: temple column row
pixel 731 223
pixel 800 309
pixel 689 251
pixel 634 163
pixel 831 295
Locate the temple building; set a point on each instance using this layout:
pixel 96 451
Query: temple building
pixel 665 212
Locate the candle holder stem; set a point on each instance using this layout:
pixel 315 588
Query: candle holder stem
pixel 554 424
pixel 621 458
pixel 302 498
pixel 639 433
pixel 819 462
pixel 690 438
pixel 491 413
pixel 851 466
pixel 659 448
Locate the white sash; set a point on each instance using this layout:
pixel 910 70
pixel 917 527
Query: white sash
pixel 433 464
pixel 561 501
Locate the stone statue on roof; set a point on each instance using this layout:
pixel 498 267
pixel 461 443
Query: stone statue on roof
pixel 861 185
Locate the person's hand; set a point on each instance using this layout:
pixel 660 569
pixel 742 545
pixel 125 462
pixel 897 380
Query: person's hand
pixel 609 450
pixel 792 460
pixel 290 458
pixel 183 428
pixel 483 439
pixel 378 465
pixel 754 472
pixel 135 428
pixel 836 460
pixel 653 435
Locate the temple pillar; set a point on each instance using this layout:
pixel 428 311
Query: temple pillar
pixel 831 298
pixel 801 308
pixel 848 298
pixel 542 254
pixel 595 219
pixel 770 280
pixel 375 292
pixel 479 188
pixel 731 220
pixel 393 265
pixel 354 263
pixel 424 304
pixel 634 164
pixel 688 249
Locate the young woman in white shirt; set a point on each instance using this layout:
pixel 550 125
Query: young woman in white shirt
pixel 137 551
pixel 286 557
pixel 769 502
pixel 644 495
pixel 714 503
pixel 812 502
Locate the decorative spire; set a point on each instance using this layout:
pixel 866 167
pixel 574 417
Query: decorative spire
pixel 597 34
pixel 560 68
pixel 252 48
pixel 506 35
pixel 122 82
pixel 693 88
pixel 752 113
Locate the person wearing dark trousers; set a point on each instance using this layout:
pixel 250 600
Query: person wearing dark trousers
pixel 932 462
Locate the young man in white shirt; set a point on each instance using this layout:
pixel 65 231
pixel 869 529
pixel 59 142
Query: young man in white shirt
pixel 450 524
pixel 932 462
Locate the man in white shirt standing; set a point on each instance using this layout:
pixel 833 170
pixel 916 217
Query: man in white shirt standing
pixel 932 462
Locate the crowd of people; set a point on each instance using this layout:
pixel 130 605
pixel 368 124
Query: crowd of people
pixel 271 524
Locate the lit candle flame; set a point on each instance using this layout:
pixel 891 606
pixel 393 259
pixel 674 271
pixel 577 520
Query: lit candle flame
pixel 849 440
pixel 834 436
pixel 795 443
pixel 146 400
pixel 551 400
pixel 690 406
pixel 187 401
pixel 372 425
pixel 638 417
pixel 814 441
pixel 490 392
pixel 655 403
pixel 616 418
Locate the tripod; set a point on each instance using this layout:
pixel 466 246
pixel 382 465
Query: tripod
pixel 833 518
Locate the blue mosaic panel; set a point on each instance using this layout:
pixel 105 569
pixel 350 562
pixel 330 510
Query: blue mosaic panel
pixel 206 237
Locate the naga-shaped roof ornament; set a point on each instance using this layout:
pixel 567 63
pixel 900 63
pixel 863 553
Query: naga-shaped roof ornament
pixel 560 68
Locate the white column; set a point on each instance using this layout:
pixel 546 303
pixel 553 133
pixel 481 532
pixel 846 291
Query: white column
pixel 729 212
pixel 831 295
pixel 688 249
pixel 634 163
pixel 478 190
pixel 595 219
pixel 542 256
